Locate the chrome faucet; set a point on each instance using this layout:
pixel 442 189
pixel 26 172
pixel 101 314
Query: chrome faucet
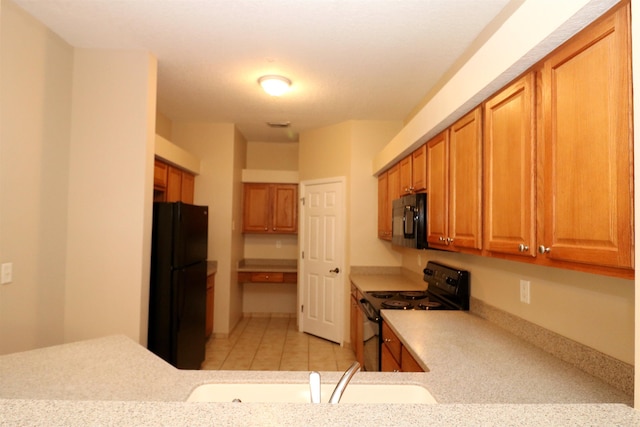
pixel 342 384
pixel 314 385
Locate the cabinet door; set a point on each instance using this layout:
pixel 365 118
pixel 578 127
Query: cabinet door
pixel 174 184
pixel 406 172
pixel 465 182
pixel 384 208
pixel 408 363
pixel 160 174
pixel 419 169
pixel 437 190
pixel 586 147
pixel 255 215
pixel 509 170
pixel 387 362
pixel 393 183
pixel 285 208
pixel 187 189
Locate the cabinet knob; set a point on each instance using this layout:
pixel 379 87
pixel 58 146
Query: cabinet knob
pixel 387 340
pixel 449 240
pixel 543 250
pixel 266 229
pixel 523 248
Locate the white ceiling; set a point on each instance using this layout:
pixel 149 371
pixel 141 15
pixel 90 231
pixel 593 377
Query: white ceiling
pixel 348 59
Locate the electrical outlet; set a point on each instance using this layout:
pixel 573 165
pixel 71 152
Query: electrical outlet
pixel 525 291
pixel 6 273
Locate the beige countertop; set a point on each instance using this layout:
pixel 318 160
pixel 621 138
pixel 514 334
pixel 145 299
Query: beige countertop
pixel 471 360
pixel 115 381
pixel 268 265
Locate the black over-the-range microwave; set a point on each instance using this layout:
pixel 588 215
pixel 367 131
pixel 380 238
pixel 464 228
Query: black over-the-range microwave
pixel 409 221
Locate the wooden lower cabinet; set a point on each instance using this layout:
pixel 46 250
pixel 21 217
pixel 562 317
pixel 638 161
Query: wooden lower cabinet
pixel 394 355
pixel 210 300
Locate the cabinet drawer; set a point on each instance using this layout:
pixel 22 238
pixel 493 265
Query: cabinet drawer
pixel 290 278
pixel 267 277
pixel 391 341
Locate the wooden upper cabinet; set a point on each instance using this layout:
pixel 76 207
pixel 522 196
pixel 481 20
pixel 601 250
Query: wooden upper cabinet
pixel 187 188
pixel 465 181
pixel 406 179
pixel 384 207
pixel 171 184
pixel 174 184
pixel 270 208
pixel 438 190
pixel 160 174
pixel 454 183
pixel 419 169
pixel 393 183
pixel 509 169
pixel 586 146
pixel 413 171
pixel 285 208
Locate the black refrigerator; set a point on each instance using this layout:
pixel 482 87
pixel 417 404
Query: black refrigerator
pixel 178 288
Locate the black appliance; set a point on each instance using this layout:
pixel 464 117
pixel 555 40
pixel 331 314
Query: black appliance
pixel 448 289
pixel 409 221
pixel 177 293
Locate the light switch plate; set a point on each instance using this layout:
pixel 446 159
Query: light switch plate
pixel 6 273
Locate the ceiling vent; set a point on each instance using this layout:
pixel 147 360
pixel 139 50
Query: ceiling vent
pixel 279 124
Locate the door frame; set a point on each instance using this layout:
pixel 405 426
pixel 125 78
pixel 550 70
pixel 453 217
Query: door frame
pixel 342 247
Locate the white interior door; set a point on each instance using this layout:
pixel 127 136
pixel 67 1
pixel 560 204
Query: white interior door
pixel 322 260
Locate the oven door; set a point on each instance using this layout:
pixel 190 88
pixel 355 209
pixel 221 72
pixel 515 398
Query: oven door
pixel 370 336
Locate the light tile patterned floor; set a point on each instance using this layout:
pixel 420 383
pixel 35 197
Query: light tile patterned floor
pixel 274 344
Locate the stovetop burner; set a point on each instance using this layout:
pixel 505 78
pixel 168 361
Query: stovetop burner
pixel 382 294
pixel 413 295
pixel 429 305
pixel 397 305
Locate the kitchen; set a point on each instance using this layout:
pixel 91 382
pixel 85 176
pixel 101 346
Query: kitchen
pixel 59 185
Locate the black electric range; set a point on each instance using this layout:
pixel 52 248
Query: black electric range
pixel 447 289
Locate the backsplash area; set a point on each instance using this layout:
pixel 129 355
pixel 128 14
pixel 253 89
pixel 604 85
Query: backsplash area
pixel 610 370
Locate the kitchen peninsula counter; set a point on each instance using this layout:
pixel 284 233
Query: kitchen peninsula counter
pixel 115 381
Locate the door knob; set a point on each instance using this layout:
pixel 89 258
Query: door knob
pixel 335 270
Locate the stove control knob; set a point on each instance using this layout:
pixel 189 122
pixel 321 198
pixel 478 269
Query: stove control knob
pixel 428 271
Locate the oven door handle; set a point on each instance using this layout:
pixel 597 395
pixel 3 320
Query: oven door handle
pixel 368 310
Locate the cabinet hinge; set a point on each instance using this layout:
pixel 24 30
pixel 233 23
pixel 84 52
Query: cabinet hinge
pixel 302 200
pixel 302 254
pixel 302 308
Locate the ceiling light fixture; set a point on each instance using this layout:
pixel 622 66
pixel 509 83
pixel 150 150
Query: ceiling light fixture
pixel 274 85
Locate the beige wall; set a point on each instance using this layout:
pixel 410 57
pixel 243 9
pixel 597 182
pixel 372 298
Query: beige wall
pixel 110 194
pixel 76 175
pixel 36 67
pixel 222 152
pixel 272 155
pixel 164 126
pixel 367 138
